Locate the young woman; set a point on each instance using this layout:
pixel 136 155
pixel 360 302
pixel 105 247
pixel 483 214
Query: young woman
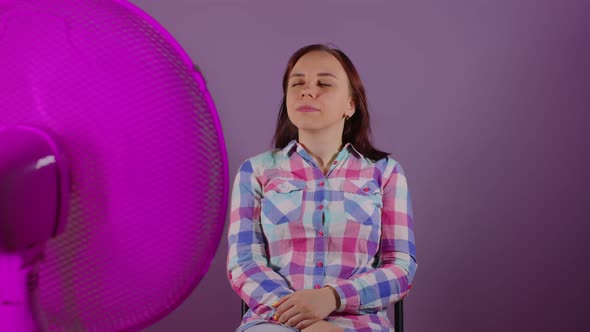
pixel 321 232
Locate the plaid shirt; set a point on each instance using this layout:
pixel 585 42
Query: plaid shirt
pixel 292 228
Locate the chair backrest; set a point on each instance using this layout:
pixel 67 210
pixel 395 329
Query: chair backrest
pixel 398 312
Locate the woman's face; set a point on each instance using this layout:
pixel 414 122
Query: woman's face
pixel 318 94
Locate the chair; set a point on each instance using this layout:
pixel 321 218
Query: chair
pixel 398 312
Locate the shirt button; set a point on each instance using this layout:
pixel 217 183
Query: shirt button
pixel 317 286
pixel 365 189
pixel 320 233
pixel 335 162
pixel 322 184
pixel 320 264
pixel 320 207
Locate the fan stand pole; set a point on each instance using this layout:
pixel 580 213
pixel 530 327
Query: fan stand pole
pixel 18 294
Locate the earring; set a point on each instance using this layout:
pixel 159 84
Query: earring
pixel 346 117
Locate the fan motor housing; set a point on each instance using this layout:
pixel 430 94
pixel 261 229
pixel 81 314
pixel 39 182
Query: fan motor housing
pixel 29 188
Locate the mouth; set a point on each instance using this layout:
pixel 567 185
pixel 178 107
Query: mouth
pixel 307 109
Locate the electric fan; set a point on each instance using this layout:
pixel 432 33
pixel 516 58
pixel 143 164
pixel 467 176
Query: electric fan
pixel 113 168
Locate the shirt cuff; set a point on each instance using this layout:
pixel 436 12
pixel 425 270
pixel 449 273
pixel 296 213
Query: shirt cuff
pixel 349 297
pixel 269 315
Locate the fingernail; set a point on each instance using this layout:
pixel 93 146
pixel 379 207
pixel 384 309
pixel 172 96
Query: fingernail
pixel 274 304
pixel 275 318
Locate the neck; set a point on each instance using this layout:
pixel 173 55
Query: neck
pixel 321 146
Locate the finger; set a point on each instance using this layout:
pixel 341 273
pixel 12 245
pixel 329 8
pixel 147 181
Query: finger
pixel 284 306
pixel 287 314
pixel 281 300
pixel 296 319
pixel 305 323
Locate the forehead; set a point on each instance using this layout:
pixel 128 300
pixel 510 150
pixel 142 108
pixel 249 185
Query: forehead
pixel 318 62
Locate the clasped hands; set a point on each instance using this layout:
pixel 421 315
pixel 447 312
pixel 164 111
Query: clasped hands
pixel 305 309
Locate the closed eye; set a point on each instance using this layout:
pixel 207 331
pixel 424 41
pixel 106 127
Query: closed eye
pixel 319 84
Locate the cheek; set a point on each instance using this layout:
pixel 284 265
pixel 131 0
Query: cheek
pixel 289 101
pixel 340 100
pixel 332 100
pixel 291 94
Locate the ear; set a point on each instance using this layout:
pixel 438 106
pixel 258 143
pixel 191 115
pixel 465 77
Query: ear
pixel 350 109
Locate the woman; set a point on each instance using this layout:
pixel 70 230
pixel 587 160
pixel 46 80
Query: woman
pixel 321 233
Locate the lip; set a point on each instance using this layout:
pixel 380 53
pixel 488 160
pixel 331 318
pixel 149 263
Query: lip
pixel 307 108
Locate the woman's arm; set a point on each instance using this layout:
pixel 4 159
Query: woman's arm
pixel 391 281
pixel 247 261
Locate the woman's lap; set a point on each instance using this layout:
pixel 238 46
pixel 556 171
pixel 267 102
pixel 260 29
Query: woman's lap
pixel 268 328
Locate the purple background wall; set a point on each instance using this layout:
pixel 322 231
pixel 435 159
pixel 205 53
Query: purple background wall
pixel 483 103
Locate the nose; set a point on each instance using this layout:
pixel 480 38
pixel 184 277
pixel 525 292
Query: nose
pixel 306 91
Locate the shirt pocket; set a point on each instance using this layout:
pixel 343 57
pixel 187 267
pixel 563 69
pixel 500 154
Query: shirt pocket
pixel 283 200
pixel 363 201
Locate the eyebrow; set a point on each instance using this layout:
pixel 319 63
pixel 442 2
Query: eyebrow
pixel 320 74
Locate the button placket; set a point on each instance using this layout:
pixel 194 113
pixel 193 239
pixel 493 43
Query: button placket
pixel 320 243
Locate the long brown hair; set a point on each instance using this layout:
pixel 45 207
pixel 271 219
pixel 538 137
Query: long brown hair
pixel 357 130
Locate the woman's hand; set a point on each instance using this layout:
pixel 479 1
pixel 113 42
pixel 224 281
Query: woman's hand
pixel 305 307
pixel 323 326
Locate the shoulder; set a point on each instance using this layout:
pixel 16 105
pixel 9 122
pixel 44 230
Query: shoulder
pixel 263 161
pixel 393 164
pixel 387 167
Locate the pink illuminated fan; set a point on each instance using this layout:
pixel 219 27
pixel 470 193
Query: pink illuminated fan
pixel 113 169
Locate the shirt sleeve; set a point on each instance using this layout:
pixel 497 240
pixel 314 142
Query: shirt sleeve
pixel 247 261
pixel 391 281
